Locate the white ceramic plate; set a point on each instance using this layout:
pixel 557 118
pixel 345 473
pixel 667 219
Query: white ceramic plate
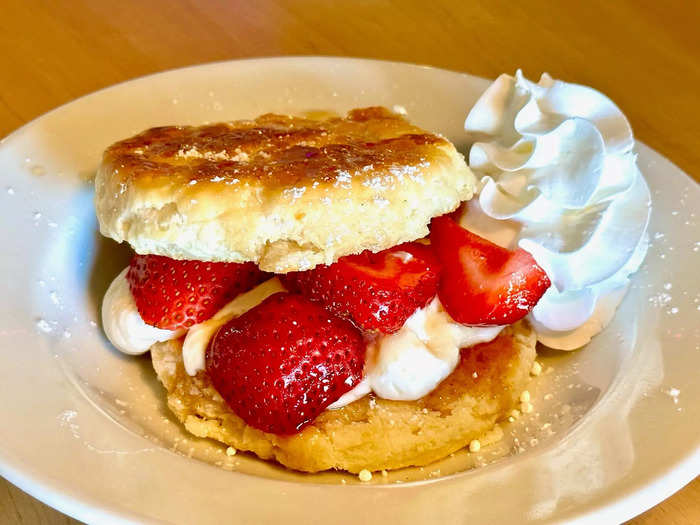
pixel 86 430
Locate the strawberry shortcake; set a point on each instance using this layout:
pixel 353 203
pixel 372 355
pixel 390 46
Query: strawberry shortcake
pixel 307 292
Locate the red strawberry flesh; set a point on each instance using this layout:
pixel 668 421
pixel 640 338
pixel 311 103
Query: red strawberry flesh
pixel 280 364
pixel 376 291
pixel 172 294
pixel 483 283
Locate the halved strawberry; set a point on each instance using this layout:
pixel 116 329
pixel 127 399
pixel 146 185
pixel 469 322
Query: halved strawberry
pixel 280 364
pixel 377 291
pixel 172 294
pixel 482 283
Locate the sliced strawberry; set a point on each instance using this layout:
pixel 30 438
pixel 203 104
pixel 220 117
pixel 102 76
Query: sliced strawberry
pixel 482 283
pixel 280 364
pixel 173 294
pixel 377 291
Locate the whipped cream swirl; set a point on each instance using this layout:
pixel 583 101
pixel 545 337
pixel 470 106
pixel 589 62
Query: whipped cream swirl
pixel 560 180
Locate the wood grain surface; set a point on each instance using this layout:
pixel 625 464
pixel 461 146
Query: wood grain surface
pixel 644 54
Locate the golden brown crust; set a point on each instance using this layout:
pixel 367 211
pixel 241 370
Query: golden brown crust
pixel 275 150
pixel 370 433
pixel 286 192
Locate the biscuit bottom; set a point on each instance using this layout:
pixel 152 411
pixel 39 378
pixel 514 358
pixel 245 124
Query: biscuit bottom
pixel 371 433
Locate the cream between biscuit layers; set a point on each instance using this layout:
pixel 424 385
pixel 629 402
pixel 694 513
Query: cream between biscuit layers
pixel 403 366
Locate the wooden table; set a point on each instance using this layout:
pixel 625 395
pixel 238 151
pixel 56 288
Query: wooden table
pixel 644 54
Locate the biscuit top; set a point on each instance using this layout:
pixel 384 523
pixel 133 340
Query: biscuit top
pixel 286 192
pixel 276 151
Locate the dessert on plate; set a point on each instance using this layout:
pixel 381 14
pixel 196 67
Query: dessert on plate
pixel 316 292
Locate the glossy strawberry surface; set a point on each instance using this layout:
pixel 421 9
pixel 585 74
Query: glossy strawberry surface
pixel 376 291
pixel 481 282
pixel 280 364
pixel 172 294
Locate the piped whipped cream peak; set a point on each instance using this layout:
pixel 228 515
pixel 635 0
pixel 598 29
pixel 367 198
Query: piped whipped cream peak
pixel 560 180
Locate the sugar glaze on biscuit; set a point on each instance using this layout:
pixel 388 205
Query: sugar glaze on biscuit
pixel 285 192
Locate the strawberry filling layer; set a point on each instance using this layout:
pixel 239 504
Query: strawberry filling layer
pixel 281 352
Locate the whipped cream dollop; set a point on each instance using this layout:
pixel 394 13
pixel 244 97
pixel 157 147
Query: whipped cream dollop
pixel 123 324
pixel 412 362
pixel 559 179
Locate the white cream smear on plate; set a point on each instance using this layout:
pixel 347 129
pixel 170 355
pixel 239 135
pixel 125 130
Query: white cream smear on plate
pixel 559 179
